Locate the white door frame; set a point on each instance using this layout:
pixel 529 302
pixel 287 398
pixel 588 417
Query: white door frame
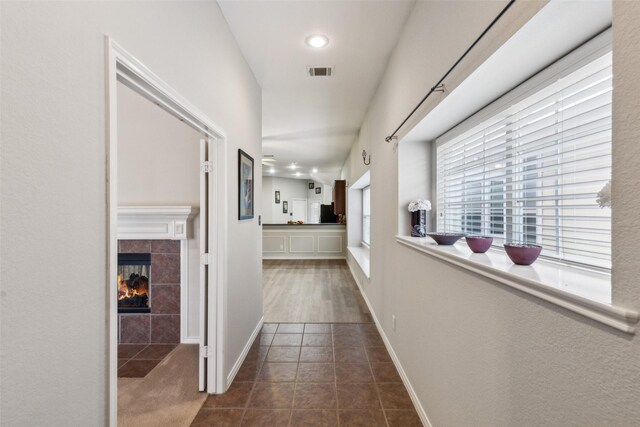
pixel 125 68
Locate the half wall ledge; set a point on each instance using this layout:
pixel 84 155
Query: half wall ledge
pixel 498 268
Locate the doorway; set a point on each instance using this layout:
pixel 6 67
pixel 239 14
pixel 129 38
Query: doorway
pixel 209 149
pixel 314 210
pixel 299 210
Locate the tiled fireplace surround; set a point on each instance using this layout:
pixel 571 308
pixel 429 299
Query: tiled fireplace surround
pixel 162 325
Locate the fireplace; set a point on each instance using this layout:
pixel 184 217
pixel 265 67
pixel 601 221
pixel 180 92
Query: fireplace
pixel 133 283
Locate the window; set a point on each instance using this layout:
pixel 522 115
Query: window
pixel 528 167
pixel 366 215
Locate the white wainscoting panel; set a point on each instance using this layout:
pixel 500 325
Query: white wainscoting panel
pixel 273 245
pixel 301 244
pixel 330 244
pixel 304 242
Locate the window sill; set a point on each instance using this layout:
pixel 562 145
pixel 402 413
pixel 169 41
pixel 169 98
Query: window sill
pixel 581 291
pixel 361 255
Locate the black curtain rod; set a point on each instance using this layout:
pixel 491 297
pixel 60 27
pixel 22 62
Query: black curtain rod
pixel 439 87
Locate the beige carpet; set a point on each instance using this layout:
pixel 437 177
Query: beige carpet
pixel 167 396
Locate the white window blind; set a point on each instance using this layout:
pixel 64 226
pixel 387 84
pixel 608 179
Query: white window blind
pixel 531 173
pixel 366 215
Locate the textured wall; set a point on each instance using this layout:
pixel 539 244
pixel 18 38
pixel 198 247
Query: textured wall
pixel 158 156
pixel 478 353
pixel 53 179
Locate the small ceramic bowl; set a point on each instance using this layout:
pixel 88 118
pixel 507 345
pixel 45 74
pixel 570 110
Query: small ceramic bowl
pixel 445 238
pixel 479 244
pixel 522 253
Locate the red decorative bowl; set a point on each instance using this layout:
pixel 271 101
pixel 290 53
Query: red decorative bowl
pixel 479 244
pixel 522 254
pixel 445 238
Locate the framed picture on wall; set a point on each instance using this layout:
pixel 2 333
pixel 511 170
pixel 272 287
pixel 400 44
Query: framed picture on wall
pixel 277 197
pixel 311 186
pixel 245 185
pixel 318 190
pixel 285 207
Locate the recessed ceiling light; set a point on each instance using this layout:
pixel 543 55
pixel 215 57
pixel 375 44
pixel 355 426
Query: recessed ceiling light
pixel 317 41
pixel 272 170
pixel 293 166
pixel 314 170
pixel 297 173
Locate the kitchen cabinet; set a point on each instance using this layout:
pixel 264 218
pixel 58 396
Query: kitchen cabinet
pixel 339 197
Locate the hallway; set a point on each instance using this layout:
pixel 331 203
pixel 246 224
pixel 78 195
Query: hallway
pixel 311 291
pixel 318 361
pixel 314 375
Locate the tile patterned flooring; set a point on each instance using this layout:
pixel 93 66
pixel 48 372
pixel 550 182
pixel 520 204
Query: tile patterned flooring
pixel 137 360
pixel 314 375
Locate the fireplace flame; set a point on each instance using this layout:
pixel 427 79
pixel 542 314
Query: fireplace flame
pixel 126 291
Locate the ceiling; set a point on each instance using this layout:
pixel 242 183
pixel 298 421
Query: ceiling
pixel 313 121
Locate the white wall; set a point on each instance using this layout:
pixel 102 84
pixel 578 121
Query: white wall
pixel 53 364
pixel 289 189
pixel 158 165
pixel 158 160
pixel 477 353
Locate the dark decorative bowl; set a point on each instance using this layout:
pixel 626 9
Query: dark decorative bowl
pixel 445 238
pixel 522 254
pixel 479 244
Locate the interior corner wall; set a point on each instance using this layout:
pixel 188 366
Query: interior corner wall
pixel 414 181
pixel 53 185
pixel 477 353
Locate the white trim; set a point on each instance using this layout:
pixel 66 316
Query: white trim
pixel 218 219
pixel 394 357
pixel 184 294
pixel 124 67
pixel 243 355
pixel 312 230
pixel 304 257
pixel 523 279
pixel 155 222
pixel 112 222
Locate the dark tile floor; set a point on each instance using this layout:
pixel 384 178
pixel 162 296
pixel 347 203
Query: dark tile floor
pixel 314 375
pixel 137 360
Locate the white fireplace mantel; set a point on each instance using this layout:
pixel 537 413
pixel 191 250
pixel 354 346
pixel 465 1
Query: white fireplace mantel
pixel 166 223
pixel 155 222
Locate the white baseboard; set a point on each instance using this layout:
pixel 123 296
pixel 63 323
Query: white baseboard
pixel 283 257
pixel 405 380
pixel 245 350
pixel 190 340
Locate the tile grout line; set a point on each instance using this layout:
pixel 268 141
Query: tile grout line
pixel 335 375
pixel 258 372
pixel 375 384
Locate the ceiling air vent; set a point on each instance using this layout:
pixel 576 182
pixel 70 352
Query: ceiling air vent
pixel 320 71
